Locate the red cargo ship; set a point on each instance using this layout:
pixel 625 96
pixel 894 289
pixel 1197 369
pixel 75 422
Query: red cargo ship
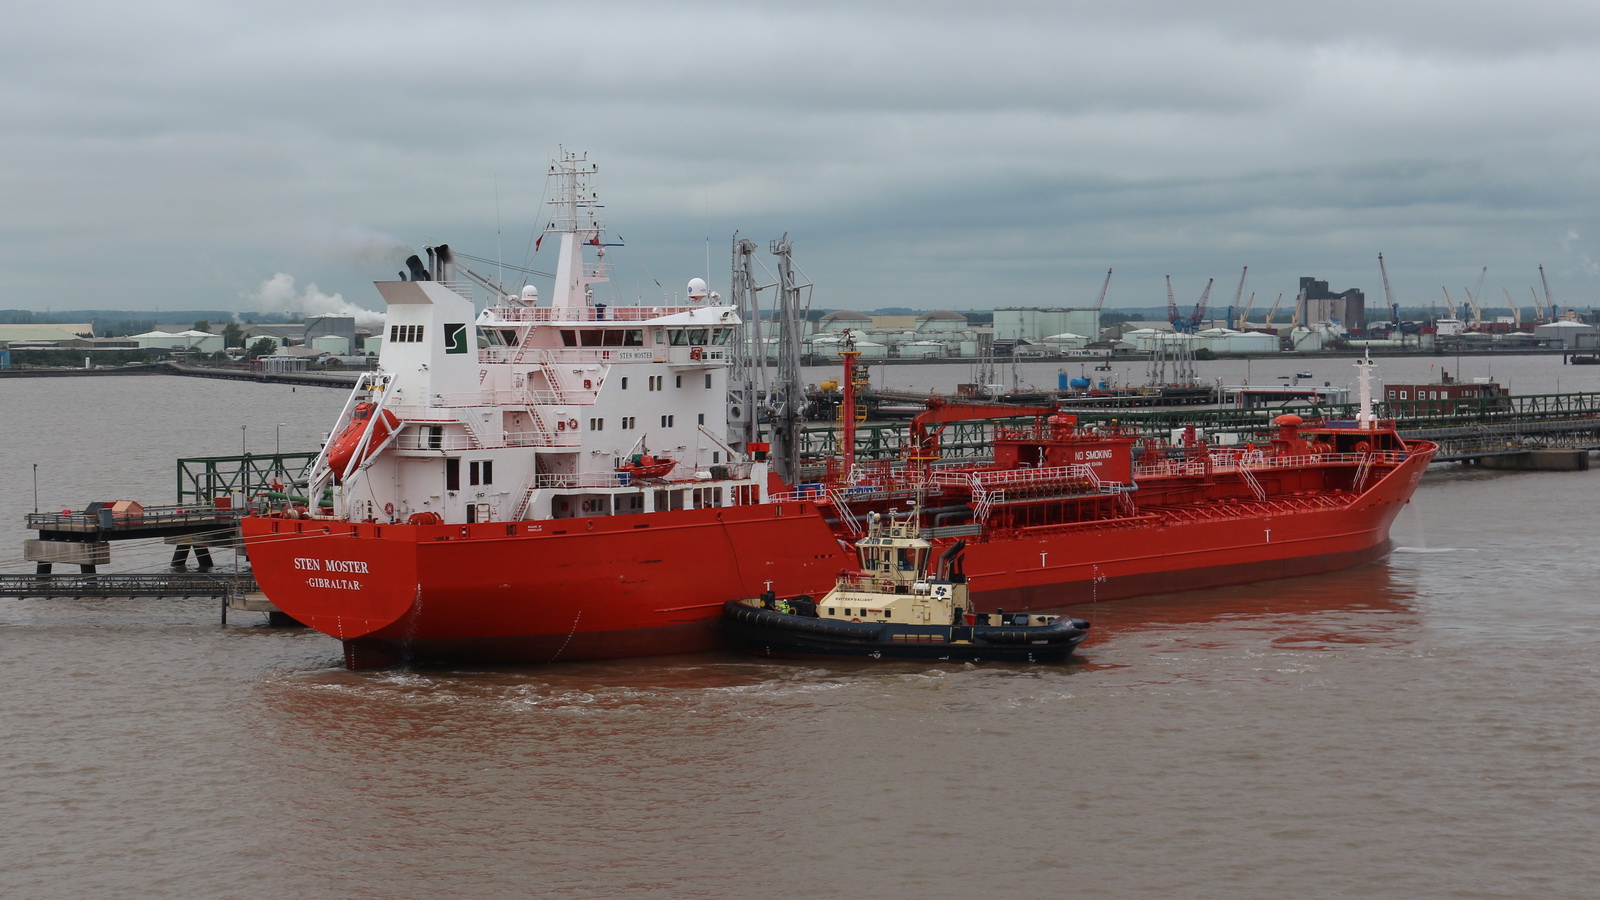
pixel 477 504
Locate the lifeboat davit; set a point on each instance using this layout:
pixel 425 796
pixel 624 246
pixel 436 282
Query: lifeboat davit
pixel 342 452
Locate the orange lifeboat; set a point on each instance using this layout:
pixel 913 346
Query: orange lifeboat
pixel 646 466
pixel 342 452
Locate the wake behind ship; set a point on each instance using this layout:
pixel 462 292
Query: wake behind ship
pixel 563 479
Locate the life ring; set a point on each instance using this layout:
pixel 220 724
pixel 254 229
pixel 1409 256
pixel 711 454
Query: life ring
pixel 855 620
pixel 564 506
pixel 886 584
pixel 388 509
pixel 696 353
pixel 572 424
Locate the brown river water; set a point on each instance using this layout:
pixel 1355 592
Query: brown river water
pixel 1424 727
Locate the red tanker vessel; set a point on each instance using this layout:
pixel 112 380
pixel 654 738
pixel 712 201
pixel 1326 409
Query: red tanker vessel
pixel 485 499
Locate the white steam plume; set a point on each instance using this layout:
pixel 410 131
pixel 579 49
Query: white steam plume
pixel 278 294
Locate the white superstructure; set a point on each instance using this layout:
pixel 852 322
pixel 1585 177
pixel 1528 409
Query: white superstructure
pixel 535 410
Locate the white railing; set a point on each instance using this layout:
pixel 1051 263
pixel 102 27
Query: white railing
pixel 546 314
pixel 1298 461
pixel 543 439
pixel 569 480
pixel 422 439
pixel 1015 478
pixel 524 497
pixel 1255 483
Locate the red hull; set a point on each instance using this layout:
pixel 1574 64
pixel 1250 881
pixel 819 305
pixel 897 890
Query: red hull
pixel 625 586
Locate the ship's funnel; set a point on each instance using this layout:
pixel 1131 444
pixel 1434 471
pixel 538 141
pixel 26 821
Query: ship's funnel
pixel 445 265
pixel 418 273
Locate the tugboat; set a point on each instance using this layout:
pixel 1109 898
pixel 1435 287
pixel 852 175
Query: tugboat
pixel 892 607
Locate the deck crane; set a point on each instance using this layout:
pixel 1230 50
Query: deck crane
pixel 1388 295
pixel 1548 300
pixel 1449 303
pixel 1477 289
pixel 1244 316
pixel 1516 311
pixel 1538 308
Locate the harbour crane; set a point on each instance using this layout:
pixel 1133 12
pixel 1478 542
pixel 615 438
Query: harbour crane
pixel 1449 303
pixel 1538 308
pixel 1190 323
pixel 1099 302
pixel 1548 300
pixel 1244 316
pixel 1388 295
pixel 1472 303
pixel 1272 313
pixel 1239 293
pixel 1516 311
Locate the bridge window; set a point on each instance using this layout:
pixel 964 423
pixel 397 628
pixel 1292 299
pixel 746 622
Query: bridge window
pixel 633 337
pixel 676 337
pixel 697 336
pixel 569 337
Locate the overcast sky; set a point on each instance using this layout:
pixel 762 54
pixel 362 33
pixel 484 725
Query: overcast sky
pixel 931 154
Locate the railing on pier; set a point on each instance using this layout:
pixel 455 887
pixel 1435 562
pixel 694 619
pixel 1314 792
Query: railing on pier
pixel 147 519
pixel 172 584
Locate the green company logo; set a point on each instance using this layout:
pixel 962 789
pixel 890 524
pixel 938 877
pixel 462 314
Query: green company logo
pixel 455 338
